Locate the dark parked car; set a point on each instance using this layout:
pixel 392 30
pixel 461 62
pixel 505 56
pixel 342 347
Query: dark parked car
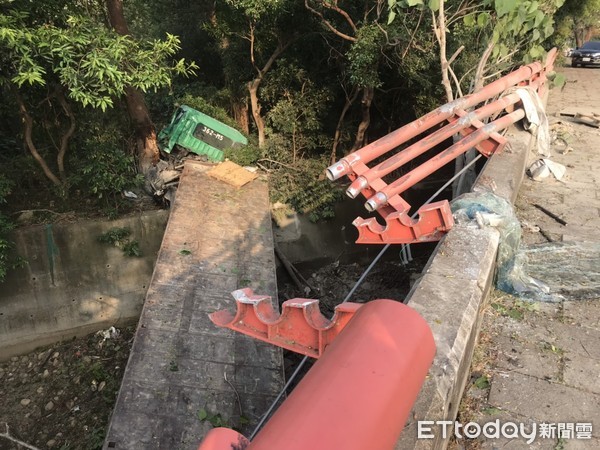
pixel 586 55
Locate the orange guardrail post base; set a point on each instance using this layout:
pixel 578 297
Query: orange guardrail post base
pixel 300 327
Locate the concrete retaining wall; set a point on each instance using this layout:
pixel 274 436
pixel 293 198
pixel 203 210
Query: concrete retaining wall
pixel 73 284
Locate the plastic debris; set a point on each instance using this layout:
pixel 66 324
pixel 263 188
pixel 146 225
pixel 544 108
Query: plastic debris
pixel 110 333
pixel 488 209
pixel 129 194
pixel 542 168
pixel 536 120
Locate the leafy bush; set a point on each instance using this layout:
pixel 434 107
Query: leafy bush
pixel 7 262
pixel 105 171
pixel 305 188
pixel 244 156
pixel 119 237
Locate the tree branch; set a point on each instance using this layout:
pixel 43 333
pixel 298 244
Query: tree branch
pixel 329 25
pixel 16 441
pixel 28 136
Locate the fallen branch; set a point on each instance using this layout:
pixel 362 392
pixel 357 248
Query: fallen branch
pixel 15 440
pixel 294 274
pixel 550 214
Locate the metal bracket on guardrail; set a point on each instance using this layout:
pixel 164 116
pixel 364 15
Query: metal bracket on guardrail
pixel 300 327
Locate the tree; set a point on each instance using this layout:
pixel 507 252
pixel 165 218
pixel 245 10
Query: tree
pixel 362 38
pixel 262 30
pixel 75 61
pixel 147 147
pixel 580 18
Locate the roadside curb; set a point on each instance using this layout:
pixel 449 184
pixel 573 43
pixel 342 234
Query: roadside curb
pixel 452 292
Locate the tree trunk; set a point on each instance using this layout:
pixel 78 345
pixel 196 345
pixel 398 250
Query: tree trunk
pixel 28 137
pixel 147 147
pixel 240 114
pixel 338 129
pixel 255 105
pixel 363 126
pixel 65 138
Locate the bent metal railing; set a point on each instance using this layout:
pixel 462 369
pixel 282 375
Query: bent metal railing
pixel 435 218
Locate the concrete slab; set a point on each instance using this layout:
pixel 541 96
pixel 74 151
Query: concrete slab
pixel 578 340
pixel 543 400
pixel 582 372
pixel 218 239
pixel 524 357
pixel 585 313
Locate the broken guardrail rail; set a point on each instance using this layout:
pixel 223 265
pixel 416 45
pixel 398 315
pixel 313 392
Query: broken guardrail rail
pixel 460 120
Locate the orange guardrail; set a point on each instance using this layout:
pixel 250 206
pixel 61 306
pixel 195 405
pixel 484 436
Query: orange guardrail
pixel 452 119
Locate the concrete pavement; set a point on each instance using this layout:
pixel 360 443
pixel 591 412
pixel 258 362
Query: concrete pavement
pixel 539 363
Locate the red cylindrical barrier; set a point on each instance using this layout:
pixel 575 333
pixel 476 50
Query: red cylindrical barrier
pixel 223 439
pixel 399 159
pixel 427 168
pixel 359 394
pixel 421 125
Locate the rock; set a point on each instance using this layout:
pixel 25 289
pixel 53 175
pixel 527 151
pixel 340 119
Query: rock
pixel 49 406
pixel 25 216
pixel 51 443
pixel 14 358
pixel 41 356
pixel 87 359
pixel 46 373
pixel 56 355
pixel 25 402
pixel 40 390
pixel 101 386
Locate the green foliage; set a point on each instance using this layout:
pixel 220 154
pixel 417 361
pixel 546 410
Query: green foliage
pixel 219 420
pixel 297 109
pixel 132 248
pixel 105 171
pixel 92 62
pixel 483 382
pixel 364 55
pixel 119 237
pixel 115 236
pixel 7 260
pixel 244 156
pixel 306 189
pixel 216 420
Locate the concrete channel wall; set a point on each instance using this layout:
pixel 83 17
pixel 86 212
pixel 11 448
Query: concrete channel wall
pixel 451 295
pixel 72 284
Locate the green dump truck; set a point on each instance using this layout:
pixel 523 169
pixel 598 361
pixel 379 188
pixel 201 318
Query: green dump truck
pixel 200 134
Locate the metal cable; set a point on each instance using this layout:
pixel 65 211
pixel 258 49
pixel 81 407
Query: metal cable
pixel 352 291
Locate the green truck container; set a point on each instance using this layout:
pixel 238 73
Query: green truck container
pixel 199 134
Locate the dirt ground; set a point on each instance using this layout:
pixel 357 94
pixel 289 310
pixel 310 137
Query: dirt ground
pixel 61 396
